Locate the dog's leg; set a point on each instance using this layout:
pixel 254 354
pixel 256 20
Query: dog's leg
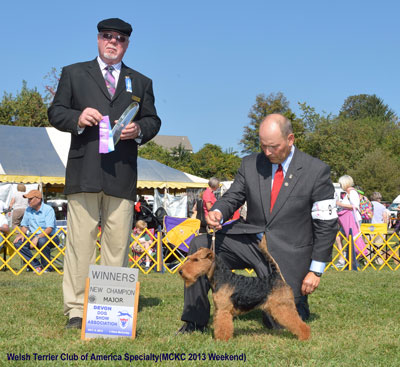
pixel 223 315
pixel 280 305
pixel 223 325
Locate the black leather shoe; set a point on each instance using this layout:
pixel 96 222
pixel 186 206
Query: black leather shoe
pixel 190 327
pixel 74 323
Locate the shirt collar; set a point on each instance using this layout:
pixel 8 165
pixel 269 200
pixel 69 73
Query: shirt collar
pixel 285 164
pixel 103 65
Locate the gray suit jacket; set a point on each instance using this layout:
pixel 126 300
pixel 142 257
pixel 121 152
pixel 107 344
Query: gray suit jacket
pixel 293 237
pixel 82 85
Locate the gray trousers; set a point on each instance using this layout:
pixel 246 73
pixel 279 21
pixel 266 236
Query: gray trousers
pixel 238 251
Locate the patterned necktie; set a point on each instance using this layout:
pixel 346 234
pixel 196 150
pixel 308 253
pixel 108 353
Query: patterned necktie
pixel 276 186
pixel 110 80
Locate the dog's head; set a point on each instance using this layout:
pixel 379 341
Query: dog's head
pixel 196 265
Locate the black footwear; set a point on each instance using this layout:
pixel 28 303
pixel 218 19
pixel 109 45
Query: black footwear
pixel 190 327
pixel 74 323
pixel 270 323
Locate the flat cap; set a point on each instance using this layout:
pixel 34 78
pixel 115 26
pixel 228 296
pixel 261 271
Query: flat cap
pixel 33 194
pixel 115 24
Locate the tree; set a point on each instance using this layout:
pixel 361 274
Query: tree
pixel 377 171
pixel 155 152
pixel 211 161
pixel 26 109
pixel 364 105
pixel 274 103
pixel 52 78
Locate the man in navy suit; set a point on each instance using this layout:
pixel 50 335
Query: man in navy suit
pixel 100 184
pixel 300 223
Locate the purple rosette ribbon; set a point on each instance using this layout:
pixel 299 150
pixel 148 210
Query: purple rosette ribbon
pixel 106 142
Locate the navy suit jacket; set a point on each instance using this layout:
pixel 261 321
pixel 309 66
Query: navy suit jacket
pixel 82 85
pixel 294 238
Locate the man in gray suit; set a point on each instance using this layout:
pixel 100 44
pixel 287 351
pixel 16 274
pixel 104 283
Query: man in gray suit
pixel 100 183
pixel 300 221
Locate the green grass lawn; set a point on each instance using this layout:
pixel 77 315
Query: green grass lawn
pixel 355 322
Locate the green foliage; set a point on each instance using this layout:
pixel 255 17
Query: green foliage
pixel 207 162
pixel 273 103
pixel 26 109
pixel 212 161
pixel 366 106
pixel 377 171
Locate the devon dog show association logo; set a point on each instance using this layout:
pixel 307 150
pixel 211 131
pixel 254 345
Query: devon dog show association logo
pixel 123 319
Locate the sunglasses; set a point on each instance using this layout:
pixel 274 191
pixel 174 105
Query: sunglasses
pixel 109 37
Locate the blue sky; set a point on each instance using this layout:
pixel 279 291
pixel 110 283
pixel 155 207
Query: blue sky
pixel 209 59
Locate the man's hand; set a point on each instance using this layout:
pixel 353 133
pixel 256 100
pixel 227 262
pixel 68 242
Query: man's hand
pixel 213 219
pixel 310 283
pixel 131 131
pixel 34 242
pixel 19 237
pixel 89 117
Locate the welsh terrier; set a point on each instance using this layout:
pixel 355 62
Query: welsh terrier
pixel 237 294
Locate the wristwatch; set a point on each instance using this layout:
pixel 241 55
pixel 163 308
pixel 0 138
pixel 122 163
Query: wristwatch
pixel 319 275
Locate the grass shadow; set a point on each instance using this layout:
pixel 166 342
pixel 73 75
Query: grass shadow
pixel 148 302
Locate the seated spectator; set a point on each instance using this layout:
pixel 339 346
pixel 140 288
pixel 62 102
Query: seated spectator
pixel 380 216
pixel 380 212
pixel 37 215
pixel 144 240
pixel 4 229
pixel 18 204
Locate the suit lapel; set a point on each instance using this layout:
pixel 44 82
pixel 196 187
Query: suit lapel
pixel 121 86
pixel 264 168
pixel 95 72
pixel 291 178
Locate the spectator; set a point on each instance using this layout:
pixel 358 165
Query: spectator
pixel 4 229
pixel 208 195
pixel 380 212
pixel 144 241
pixel 198 212
pixel 38 217
pixel 350 201
pixel 18 204
pixel 380 216
pixel 350 217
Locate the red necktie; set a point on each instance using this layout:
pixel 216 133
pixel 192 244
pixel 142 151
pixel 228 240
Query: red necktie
pixel 278 179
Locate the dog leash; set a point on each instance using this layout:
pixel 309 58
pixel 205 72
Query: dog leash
pixel 212 238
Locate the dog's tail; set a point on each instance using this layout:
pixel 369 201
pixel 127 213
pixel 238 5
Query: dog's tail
pixel 274 265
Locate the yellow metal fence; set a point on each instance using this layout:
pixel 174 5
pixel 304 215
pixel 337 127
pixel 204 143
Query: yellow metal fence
pixel 381 251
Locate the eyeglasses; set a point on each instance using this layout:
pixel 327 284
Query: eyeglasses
pixel 109 37
pixel 29 199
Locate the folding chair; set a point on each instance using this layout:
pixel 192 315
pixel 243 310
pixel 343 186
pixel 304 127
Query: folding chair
pixel 178 234
pixel 376 233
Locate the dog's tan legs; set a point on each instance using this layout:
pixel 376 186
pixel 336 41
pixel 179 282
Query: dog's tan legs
pixel 223 325
pixel 280 305
pixel 223 314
